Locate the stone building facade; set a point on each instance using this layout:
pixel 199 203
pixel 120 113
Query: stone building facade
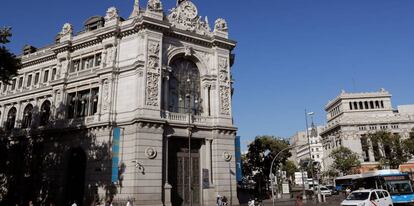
pixel 302 152
pixel 351 116
pixel 162 78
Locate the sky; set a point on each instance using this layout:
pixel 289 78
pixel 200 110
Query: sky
pixel 291 55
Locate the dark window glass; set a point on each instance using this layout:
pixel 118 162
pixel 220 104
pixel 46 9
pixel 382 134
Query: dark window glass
pixel 46 76
pixel 20 82
pixel 27 116
pixel 29 80
pixel 36 80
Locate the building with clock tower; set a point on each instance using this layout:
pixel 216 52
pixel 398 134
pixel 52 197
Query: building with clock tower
pixel 132 109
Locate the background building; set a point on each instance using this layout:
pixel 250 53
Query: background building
pixel 152 91
pixel 302 152
pixel 351 116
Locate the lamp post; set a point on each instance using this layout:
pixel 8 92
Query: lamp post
pixel 271 175
pixel 190 95
pixel 310 153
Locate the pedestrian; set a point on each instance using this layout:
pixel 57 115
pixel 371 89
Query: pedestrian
pixel 348 190
pixel 299 201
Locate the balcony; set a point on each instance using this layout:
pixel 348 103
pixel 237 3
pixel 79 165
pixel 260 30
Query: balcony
pixel 183 118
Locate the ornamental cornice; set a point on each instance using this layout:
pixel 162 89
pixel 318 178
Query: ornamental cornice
pixel 38 61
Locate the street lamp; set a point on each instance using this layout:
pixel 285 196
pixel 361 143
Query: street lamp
pixel 190 95
pixel 271 175
pixel 310 153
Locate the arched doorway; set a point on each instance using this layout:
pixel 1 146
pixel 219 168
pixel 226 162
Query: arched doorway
pixel 11 118
pixel 75 177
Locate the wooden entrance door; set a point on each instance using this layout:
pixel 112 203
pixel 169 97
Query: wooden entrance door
pixel 179 172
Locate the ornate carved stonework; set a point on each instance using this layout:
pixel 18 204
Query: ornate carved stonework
pixel 154 5
pixel 220 25
pixel 153 73
pixel 225 100
pixel 152 89
pixel 105 95
pixel 66 29
pixel 227 156
pixel 153 56
pixel 110 55
pixel 111 14
pixel 223 72
pixel 151 152
pixel 185 17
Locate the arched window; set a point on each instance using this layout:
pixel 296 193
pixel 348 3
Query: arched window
pixel 382 104
pixel 11 118
pixel 27 116
pixel 355 105
pixel 371 103
pixel 366 105
pixel 361 105
pixel 44 113
pixel 184 87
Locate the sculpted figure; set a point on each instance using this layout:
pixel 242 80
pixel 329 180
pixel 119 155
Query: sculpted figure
pixel 154 5
pixel 66 29
pixel 220 25
pixel 111 13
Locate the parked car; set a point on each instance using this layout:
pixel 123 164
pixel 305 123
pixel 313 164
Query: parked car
pixel 333 189
pixel 325 191
pixel 368 197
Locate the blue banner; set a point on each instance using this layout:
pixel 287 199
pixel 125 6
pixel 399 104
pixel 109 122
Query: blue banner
pixel 239 174
pixel 115 153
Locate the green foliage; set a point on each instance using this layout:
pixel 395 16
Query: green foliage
pixel 390 149
pixel 290 168
pixel 261 152
pixel 344 160
pixel 409 143
pixel 9 64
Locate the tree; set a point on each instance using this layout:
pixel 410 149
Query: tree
pixel 9 64
pixel 290 168
pixel 257 161
pixel 344 160
pixel 409 143
pixel 389 149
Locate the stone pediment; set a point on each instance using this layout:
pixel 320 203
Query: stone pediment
pixel 185 17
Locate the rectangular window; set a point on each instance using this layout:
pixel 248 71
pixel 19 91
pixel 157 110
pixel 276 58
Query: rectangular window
pixel 98 59
pixel 45 76
pixel 29 80
pixel 53 73
pixel 82 103
pixel 36 80
pixel 13 84
pixel 75 66
pixel 20 82
pixel 4 88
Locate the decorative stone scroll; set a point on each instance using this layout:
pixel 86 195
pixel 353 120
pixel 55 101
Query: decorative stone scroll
pixel 185 17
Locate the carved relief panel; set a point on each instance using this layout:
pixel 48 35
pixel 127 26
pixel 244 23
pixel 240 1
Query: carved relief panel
pixel 153 73
pixel 224 82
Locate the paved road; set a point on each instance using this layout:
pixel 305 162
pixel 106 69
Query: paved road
pixel 330 201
